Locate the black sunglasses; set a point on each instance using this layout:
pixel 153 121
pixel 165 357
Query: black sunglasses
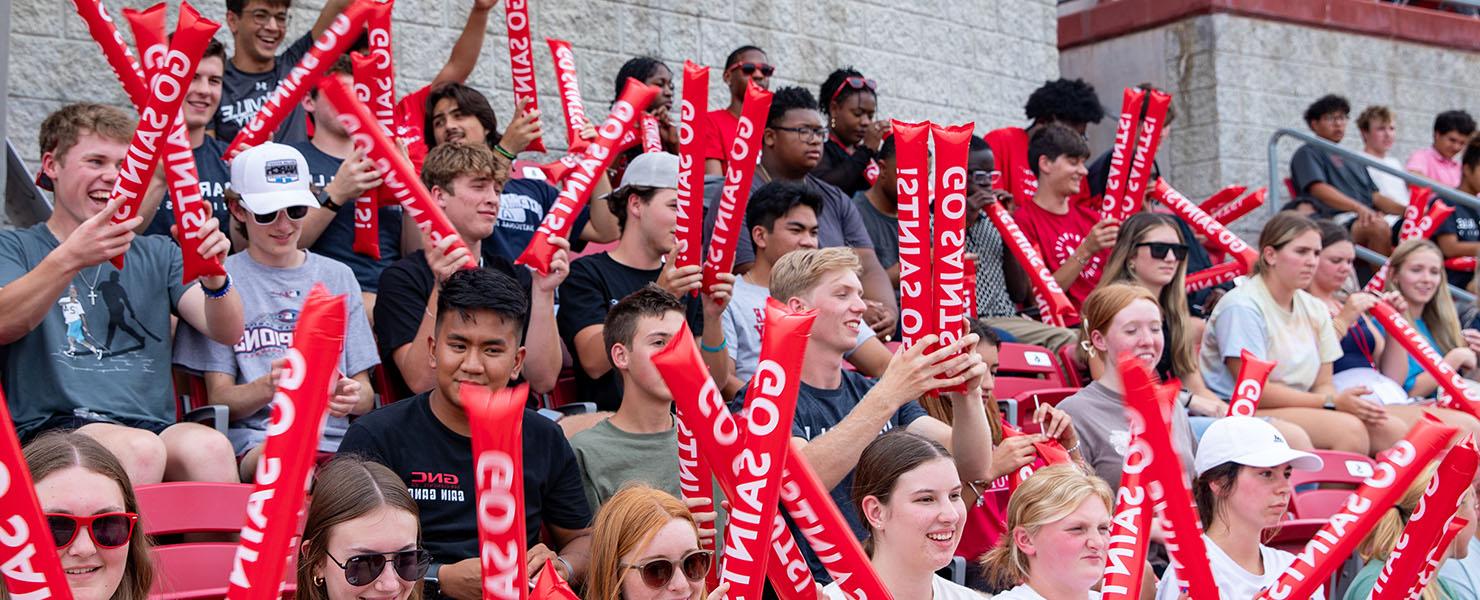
pixel 295 213
pixel 657 573
pixel 364 569
pixel 748 68
pixel 1159 250
pixel 108 530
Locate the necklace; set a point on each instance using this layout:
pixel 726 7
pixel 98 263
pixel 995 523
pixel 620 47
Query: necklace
pixel 92 293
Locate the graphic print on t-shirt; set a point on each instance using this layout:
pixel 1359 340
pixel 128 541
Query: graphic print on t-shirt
pixel 268 335
pixel 436 487
pixel 90 338
pixel 1063 250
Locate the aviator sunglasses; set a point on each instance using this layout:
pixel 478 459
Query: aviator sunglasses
pixel 364 569
pixel 658 572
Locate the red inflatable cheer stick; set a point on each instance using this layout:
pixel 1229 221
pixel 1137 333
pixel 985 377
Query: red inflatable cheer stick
pixel 691 125
pixel 1252 375
pixel 570 94
pixel 1053 306
pixel 497 421
pixel 949 265
pixel 1221 197
pixel 521 62
pixel 32 569
pixel 400 177
pixel 1425 526
pixel 729 225
pixel 1459 394
pixel 1395 471
pixel 268 538
pixel 911 158
pixel 576 189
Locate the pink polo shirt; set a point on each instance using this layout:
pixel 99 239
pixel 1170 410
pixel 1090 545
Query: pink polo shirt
pixel 1433 165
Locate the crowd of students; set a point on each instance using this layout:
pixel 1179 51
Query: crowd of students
pixel 909 441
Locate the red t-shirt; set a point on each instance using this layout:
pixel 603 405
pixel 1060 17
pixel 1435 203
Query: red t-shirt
pixel 1057 236
pixel 410 119
pixel 1010 156
pixel 720 134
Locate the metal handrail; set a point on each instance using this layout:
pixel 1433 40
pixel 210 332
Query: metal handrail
pixel 1276 184
pixel 1376 258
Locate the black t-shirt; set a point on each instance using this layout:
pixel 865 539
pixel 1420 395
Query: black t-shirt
pixel 819 410
pixel 522 205
pixel 596 282
pixel 243 94
pixel 842 169
pixel 337 241
pixel 1311 165
pixel 1464 224
pixel 437 465
pixel 215 179
pixel 402 301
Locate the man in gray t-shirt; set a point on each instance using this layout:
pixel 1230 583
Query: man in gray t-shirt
pixel 258 27
pixel 274 277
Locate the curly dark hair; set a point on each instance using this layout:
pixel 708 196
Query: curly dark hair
pixel 834 81
pixel 734 56
pixel 788 99
pixel 1325 105
pixel 1070 101
pixel 1454 120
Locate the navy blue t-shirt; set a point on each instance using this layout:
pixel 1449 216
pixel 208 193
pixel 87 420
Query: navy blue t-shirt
pixel 819 410
pixel 215 179
pixel 338 239
pixel 522 205
pixel 1464 224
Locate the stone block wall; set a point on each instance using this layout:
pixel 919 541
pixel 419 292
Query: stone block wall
pixel 949 61
pixel 1238 79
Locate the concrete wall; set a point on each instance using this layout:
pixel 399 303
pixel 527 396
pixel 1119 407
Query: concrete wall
pixel 1237 79
pixel 951 61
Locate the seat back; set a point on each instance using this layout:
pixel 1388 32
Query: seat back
pixel 1028 361
pixel 196 570
pixel 1341 469
pixel 1319 504
pixel 1026 403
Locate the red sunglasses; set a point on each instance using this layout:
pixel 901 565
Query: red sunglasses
pixel 108 530
pixel 857 83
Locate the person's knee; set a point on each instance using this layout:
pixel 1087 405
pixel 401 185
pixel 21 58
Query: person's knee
pixel 142 454
pixel 1344 432
pixel 198 453
pixel 1295 436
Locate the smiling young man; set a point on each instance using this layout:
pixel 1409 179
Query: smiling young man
pixel 273 277
pixel 201 102
pixel 1071 235
pixel 1071 103
pixel 59 290
pixel 426 439
pixel 258 28
pixel 461 179
pixel 457 113
pixel 839 412
pixel 1440 161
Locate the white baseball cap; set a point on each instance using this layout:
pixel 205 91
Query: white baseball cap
pixel 1251 442
pixel 270 177
pixel 652 169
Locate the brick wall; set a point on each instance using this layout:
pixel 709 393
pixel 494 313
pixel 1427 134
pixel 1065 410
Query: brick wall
pixel 934 59
pixel 1238 79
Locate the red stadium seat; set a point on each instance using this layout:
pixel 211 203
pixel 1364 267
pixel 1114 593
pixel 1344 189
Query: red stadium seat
pixel 1018 410
pixel 1342 473
pixel 1319 504
pixel 189 571
pixel 1066 364
pixel 1025 368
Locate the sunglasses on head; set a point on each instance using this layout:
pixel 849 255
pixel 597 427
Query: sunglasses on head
pixel 364 569
pixel 295 213
pixel 108 530
pixel 1159 250
pixel 657 573
pixel 749 68
pixel 857 83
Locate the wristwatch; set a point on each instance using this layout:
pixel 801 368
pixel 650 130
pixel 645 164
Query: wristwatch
pixel 327 201
pixel 431 586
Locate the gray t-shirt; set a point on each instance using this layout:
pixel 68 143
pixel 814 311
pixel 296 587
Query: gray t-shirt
pixel 611 458
pixel 104 345
pixel 1104 431
pixel 838 225
pixel 243 94
pixel 742 322
pixel 271 299
pixel 882 229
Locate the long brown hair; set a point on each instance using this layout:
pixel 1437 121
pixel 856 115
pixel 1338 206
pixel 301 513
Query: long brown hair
pixel 1439 314
pixel 1279 232
pixel 626 523
pixel 882 463
pixel 345 489
pixel 1173 297
pixel 62 450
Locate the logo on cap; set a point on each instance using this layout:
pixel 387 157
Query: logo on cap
pixel 281 171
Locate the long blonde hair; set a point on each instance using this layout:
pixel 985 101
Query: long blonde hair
pixel 1173 297
pixel 1439 314
pixel 1049 495
pixel 626 523
pixel 1379 543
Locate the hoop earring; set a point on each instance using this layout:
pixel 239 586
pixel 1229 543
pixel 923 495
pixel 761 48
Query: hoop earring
pixel 318 581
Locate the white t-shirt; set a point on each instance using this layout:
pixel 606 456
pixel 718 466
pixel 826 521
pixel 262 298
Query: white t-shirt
pixel 1299 340
pixel 941 588
pixel 742 324
pixel 1023 592
pixel 1389 185
pixel 1233 581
